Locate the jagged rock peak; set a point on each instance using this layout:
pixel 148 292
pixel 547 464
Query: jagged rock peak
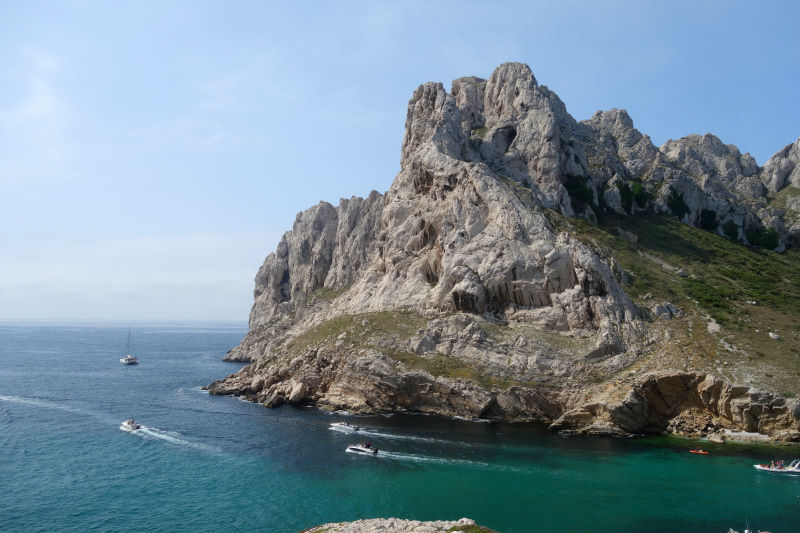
pixel 432 116
pixel 508 90
pixel 783 168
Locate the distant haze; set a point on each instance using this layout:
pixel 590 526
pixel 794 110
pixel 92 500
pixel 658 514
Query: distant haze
pixel 152 153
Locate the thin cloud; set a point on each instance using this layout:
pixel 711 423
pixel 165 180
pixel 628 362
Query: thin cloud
pixel 35 125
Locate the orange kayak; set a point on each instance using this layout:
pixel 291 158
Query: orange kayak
pixel 699 451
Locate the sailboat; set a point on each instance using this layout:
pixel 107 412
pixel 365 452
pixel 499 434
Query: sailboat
pixel 129 359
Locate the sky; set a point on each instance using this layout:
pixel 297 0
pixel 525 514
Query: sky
pixel 152 153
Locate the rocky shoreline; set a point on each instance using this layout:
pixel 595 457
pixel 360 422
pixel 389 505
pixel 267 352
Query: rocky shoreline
pixel 690 405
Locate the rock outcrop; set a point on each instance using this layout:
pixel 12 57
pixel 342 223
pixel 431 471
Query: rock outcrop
pixel 398 525
pixel 657 399
pixel 455 293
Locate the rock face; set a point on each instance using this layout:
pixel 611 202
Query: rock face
pixel 783 168
pixel 703 181
pixel 397 525
pixel 782 174
pixel 658 398
pixel 458 272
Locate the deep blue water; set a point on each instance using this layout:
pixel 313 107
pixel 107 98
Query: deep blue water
pixel 205 463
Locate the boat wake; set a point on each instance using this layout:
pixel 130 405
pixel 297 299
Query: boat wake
pixel 47 404
pixel 415 438
pixel 172 437
pixel 399 456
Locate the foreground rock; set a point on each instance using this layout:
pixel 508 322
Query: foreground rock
pixel 397 525
pixel 461 291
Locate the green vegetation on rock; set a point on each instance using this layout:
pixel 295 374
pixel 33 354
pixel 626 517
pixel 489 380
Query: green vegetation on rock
pixel 379 327
pixel 471 529
pixel 676 204
pixel 441 365
pixel 480 132
pixel 748 291
pixel 708 219
pixel 626 195
pixel 329 293
pixel 763 238
pixel 640 194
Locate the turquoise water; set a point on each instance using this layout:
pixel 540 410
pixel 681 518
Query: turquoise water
pixel 207 463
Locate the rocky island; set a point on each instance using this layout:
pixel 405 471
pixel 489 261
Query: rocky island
pixel 528 267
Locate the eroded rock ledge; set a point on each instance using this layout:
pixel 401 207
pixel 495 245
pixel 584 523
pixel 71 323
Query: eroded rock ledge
pixel 688 404
pixel 397 525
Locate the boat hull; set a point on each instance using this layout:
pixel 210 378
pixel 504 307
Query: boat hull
pixel 342 427
pixel 362 450
pixel 784 471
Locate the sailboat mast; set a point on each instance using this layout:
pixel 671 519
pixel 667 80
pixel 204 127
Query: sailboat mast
pixel 128 345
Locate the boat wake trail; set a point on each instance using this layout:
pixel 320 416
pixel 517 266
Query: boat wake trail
pixel 398 456
pixel 172 437
pixel 38 402
pixel 400 436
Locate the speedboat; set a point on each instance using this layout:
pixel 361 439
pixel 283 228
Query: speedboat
pixel 130 425
pixel 792 469
pixel 344 426
pixel 365 448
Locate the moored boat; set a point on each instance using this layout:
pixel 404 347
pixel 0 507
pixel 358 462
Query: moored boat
pixel 129 359
pixel 779 468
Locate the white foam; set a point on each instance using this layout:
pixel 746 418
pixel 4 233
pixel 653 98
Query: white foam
pixel 343 429
pixel 745 436
pixel 400 436
pixel 172 437
pixel 38 402
pixel 399 456
pixel 430 459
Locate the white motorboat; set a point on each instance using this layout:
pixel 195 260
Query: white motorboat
pixel 129 359
pixel 364 448
pixel 344 426
pixel 130 425
pixel 779 468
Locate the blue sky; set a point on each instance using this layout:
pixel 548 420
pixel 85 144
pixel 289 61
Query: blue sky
pixel 152 153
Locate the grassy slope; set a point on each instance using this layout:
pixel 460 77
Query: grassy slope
pixel 723 277
pixel 390 332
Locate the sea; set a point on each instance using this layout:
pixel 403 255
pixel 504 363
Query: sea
pixel 213 463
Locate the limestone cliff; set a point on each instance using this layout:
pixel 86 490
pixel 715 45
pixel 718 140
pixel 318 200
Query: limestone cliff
pixel 464 289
